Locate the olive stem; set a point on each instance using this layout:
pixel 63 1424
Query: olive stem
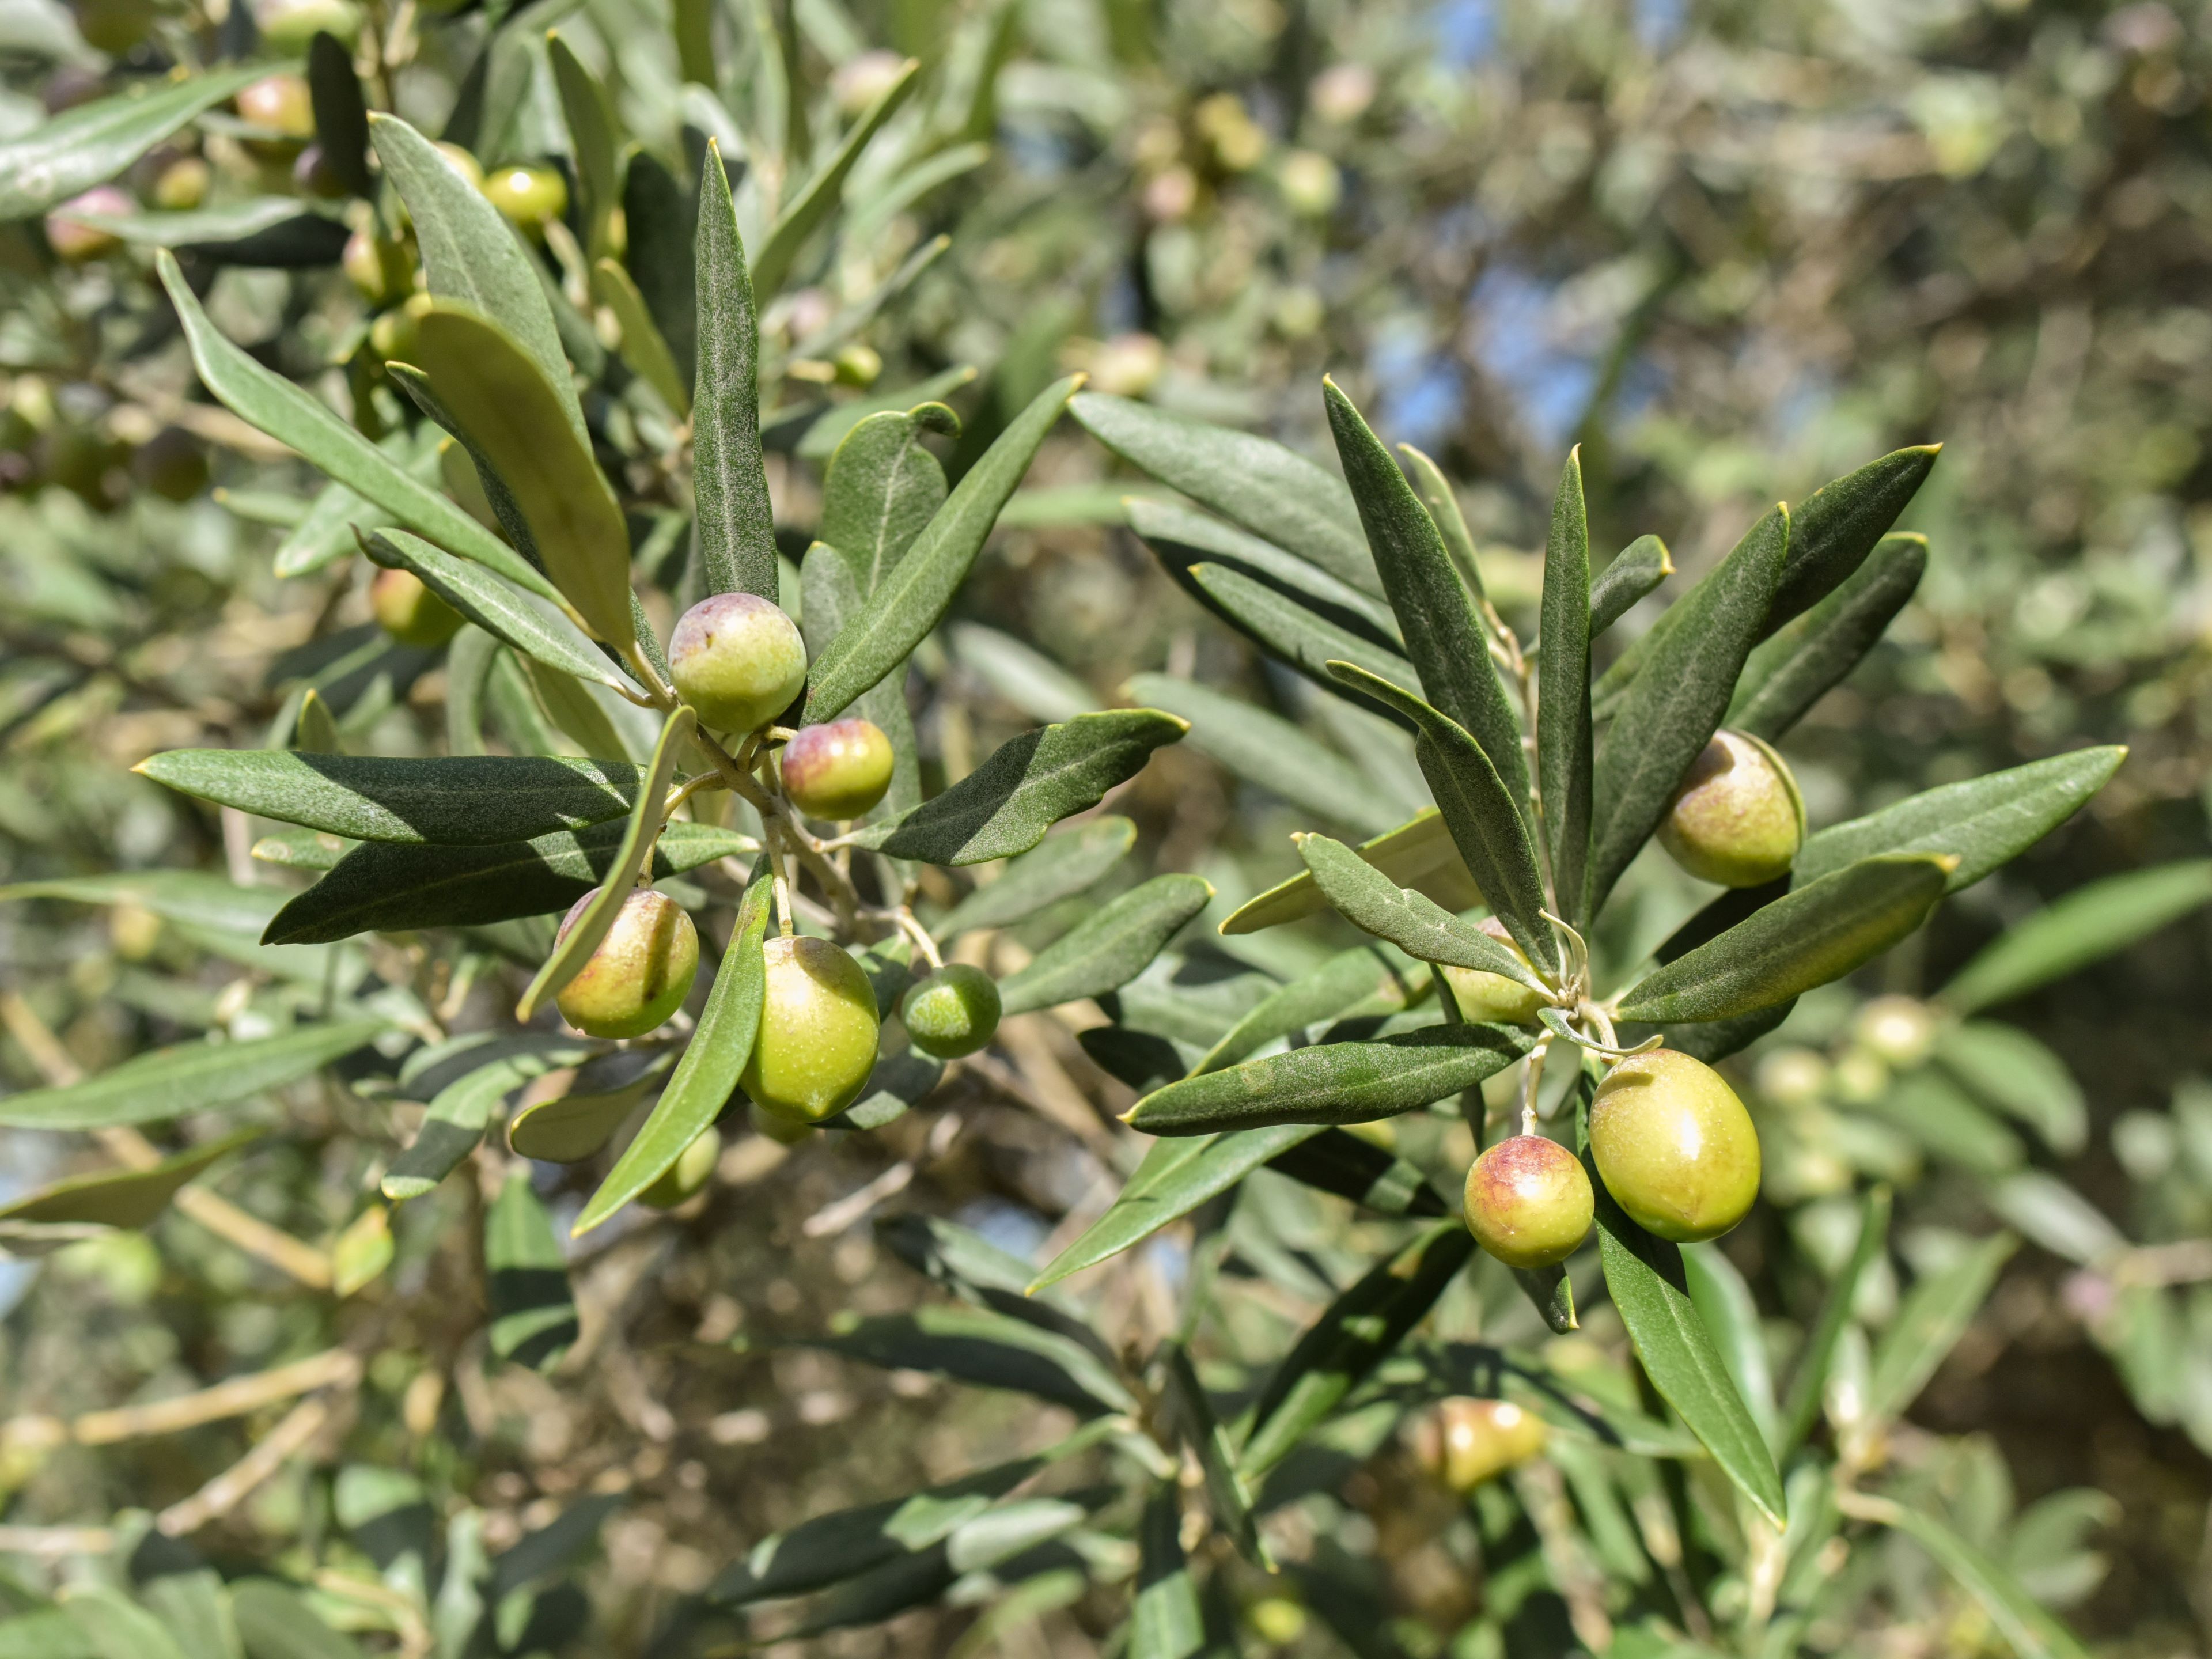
pixel 1532 1079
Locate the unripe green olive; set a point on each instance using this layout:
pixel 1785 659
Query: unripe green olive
pixel 1528 1202
pixel 396 333
pixel 289 25
pixel 463 162
pixel 1674 1145
pixel 1898 1029
pixel 531 197
pixel 682 1179
pixel 381 272
pixel 1465 1442
pixel 115 27
pixel 409 611
pixel 182 185
pixel 1492 998
pixel 839 770
pixel 641 971
pixel 952 1012
pixel 77 242
pixel 1737 819
pixel 738 659
pixel 282 106
pixel 818 1031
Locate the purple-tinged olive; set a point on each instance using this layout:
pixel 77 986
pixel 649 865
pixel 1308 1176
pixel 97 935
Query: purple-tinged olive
pixel 738 659
pixel 641 971
pixel 1528 1201
pixel 839 770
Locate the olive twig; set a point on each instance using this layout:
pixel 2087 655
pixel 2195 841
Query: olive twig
pixel 1532 1081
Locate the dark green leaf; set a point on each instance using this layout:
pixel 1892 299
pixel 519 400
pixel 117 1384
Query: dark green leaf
pixel 663 220
pixel 341 113
pixel 1366 979
pixel 1552 1292
pixel 530 624
pixel 91 143
pixel 1299 633
pixel 1833 530
pixel 882 489
pixel 987 1349
pixel 1423 929
pixel 1183 538
pixel 474 800
pixel 912 598
pixel 1165 1621
pixel 811 206
pixel 1723 1302
pixel 533 1312
pixel 1801 1406
pixel 1336 1162
pixel 1930 1321
pixel 736 539
pixel 1005 805
pixel 1195 1424
pixel 1109 947
pixel 1983 822
pixel 1443 502
pixel 1812 935
pixel 1334 1082
pixel 191 1076
pixel 2085 927
pixel 1636 570
pixel 1418 853
pixel 1796 668
pixel 1058 867
pixel 592 144
pixel 1563 711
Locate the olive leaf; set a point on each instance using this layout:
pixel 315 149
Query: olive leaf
pixel 1812 935
pixel 526 1290
pixel 91 143
pixel 1108 948
pixel 99 1622
pixel 1195 1424
pixel 718 1051
pixel 2086 926
pixel 1270 752
pixel 341 113
pixel 1421 929
pixel 1333 1082
pixel 646 817
pixel 1063 864
pixel 1801 1404
pixel 1418 853
pixel 1636 570
pixel 1834 528
pixel 1981 822
pixel 1441 502
pixel 829 428
pixel 125 1198
pixel 187 1077
pixel 735 538
pixel 592 144
pixel 882 489
pixel 1293 627
pixel 1794 669
pixel 1165 1620
pixel 1005 805
pixel 1443 635
pixel 1724 1301
pixel 1368 979
pixel 811 208
pixel 989 1349
pixel 2025 1622
pixel 462 800
pixel 521 620
pixel 1336 1161
pixel 1949 1123
pixel 573 1126
pixel 471 1078
pixel 1563 711
pixel 1930 1321
pixel 644 348
pixel 1279 495
pixel 1182 538
pixel 2005 1067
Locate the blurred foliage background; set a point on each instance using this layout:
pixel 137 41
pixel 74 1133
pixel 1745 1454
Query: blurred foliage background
pixel 1730 249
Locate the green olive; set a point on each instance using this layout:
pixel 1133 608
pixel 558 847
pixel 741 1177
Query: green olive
pixel 818 1031
pixel 463 162
pixel 641 971
pixel 289 25
pixel 1492 998
pixel 1674 1145
pixel 115 27
pixel 409 611
pixel 837 771
pixel 738 659
pixel 1465 1442
pixel 952 1012
pixel 1528 1201
pixel 1737 819
pixel 280 104
pixel 382 271
pixel 684 1179
pixel 531 197
pixel 395 335
pixel 182 185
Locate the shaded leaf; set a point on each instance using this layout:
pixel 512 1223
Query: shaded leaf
pixel 1334 1082
pixel 1636 570
pixel 125 1198
pixel 831 595
pixel 1934 1315
pixel 1800 1405
pixel 1364 980
pixel 2005 1067
pixel 533 1311
pixel 1182 539
pixel 987 1349
pixel 882 489
pixel 1418 853
pixel 530 625
pixel 2086 926
pixel 469 1085
pixel 1108 948
pixel 91 143
pixel 1794 669
pixel 1057 868
pixel 1417 925
pixel 643 346
pixel 592 144
pixel 1195 1424
pixel 1334 1162
pixel 573 1127
pixel 1164 1620
pixel 190 1077
pixel 341 113
pixel 1289 628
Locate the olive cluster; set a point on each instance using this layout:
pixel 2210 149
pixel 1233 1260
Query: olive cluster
pixel 740 662
pixel 1670 1139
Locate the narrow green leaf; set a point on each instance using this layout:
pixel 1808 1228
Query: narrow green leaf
pixel 91 143
pixel 484 1070
pixel 533 1311
pixel 1636 570
pixel 1552 1292
pixel 592 144
pixel 1351 1336
pixel 190 1077
pixel 532 626
pixel 1336 1161
pixel 1368 979
pixel 1175 1177
pixel 573 1127
pixel 1279 495
pixel 1723 1302
pixel 341 113
pixel 1183 538
pixel 882 489
pixel 1060 866
pixel 1291 628
pixel 1930 1321
pixel 123 1198
pixel 291 415
pixel 831 595
pixel 1562 722
pixel 1108 948
pixel 1334 1082
pixel 512 414
pixel 1418 853
pixel 2084 927
pixel 315 731
pixel 643 346
pixel 1195 1424
pixel 988 1349
pixel 1165 1621
pixel 1810 936
pixel 2025 1622
pixel 1020 674
pixel 1949 1123
pixel 1441 502
pixel 381 888
pixel 645 819
pixel 1801 1406
pixel 1675 704
pixel 275 1622
pixel 471 256
pixel 578 712
pixel 912 598
pixel 705 1076
pixel 463 801
pixel 1484 818
pixel 1834 528
pixel 820 440
pixel 302 849
pixel 735 535
pixel 1421 929
pixel 811 209
pixel 982 1275
pixel 2005 1067
pixel 1268 750
pixel 1005 805
pixel 1798 666
pixel 1443 635
pixel 662 216
pixel 1983 822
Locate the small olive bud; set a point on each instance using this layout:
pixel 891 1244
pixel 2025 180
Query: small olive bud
pixel 282 105
pixel 1464 1442
pixel 75 241
pixel 1898 1029
pixel 641 971
pixel 382 271
pixel 818 1031
pixel 738 659
pixel 682 1179
pixel 1674 1145
pixel 182 185
pixel 409 611
pixel 838 771
pixel 1737 819
pixel 531 197
pixel 1528 1202
pixel 1492 998
pixel 952 1012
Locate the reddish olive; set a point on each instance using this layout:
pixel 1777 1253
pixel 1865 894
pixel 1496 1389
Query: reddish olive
pixel 738 659
pixel 1528 1201
pixel 641 971
pixel 839 770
